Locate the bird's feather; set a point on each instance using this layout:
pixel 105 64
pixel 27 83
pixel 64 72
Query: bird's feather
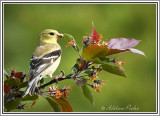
pixel 45 59
pixel 37 65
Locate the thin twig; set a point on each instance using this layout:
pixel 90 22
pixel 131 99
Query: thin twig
pixel 74 46
pixel 4 71
pixel 82 76
pixel 44 92
pixel 55 81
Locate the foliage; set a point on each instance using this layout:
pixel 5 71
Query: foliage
pixel 93 58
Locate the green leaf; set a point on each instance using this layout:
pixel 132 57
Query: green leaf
pixel 88 94
pixel 12 82
pixel 42 81
pixel 28 97
pixel 87 71
pixel 74 68
pixel 23 84
pixel 12 105
pixel 53 104
pixel 118 70
pixel 11 96
pixel 95 51
pixel 69 38
pixel 105 60
pixel 65 106
pixel 78 60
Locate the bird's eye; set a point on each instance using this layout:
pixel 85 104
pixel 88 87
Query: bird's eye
pixel 51 33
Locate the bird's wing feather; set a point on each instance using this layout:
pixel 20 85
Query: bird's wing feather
pixel 37 65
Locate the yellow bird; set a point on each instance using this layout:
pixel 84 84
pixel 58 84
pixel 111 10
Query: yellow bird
pixel 45 59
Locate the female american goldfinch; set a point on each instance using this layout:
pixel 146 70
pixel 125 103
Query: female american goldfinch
pixel 45 59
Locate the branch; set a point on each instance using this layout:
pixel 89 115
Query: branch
pixel 55 80
pixel 83 65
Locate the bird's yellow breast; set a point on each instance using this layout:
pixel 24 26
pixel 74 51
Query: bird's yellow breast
pixel 51 69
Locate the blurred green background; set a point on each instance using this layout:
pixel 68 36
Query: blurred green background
pixel 24 22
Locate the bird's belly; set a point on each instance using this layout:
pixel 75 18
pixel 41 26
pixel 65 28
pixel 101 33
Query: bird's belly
pixel 50 70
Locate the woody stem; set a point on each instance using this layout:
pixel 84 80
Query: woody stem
pixel 54 81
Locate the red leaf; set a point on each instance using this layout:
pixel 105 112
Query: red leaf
pixel 95 51
pixel 33 103
pixel 94 36
pixel 65 105
pixel 122 43
pixel 6 88
pixel 115 51
pixel 18 74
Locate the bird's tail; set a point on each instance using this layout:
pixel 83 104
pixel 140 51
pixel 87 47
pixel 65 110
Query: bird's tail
pixel 32 84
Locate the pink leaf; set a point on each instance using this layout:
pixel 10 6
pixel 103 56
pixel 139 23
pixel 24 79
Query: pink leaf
pixel 137 51
pixel 94 36
pixel 122 43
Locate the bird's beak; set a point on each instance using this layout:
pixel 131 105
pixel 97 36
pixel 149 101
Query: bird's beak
pixel 60 36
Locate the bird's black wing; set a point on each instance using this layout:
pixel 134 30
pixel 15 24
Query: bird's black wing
pixel 37 65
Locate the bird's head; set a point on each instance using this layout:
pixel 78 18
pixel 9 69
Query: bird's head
pixel 49 36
